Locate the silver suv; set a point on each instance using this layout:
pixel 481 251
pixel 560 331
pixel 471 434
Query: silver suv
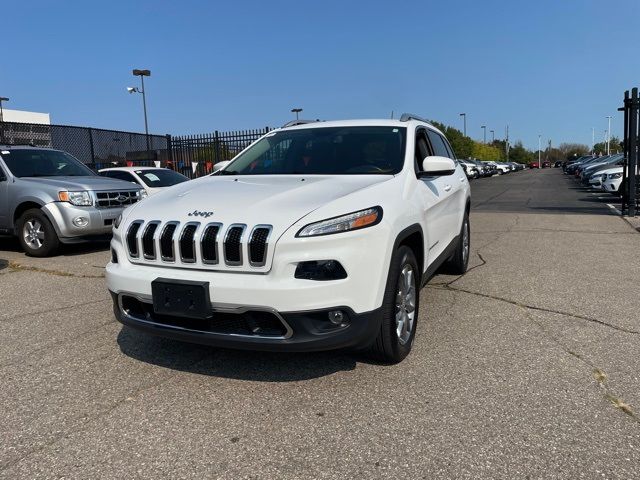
pixel 48 197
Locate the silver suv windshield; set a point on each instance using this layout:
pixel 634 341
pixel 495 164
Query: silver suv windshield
pixel 325 151
pixel 43 163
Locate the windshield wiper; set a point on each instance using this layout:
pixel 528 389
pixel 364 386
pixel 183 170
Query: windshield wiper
pixel 227 172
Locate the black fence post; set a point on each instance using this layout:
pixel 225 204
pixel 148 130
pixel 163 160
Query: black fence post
pixel 633 151
pixel 169 149
pixel 625 148
pixel 93 154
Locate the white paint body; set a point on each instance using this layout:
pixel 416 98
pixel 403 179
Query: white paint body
pixel 288 203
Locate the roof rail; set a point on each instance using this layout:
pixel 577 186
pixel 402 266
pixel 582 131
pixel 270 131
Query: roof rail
pixel 410 116
pixel 293 123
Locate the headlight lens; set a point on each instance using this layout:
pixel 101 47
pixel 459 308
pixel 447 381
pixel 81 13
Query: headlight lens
pixel 344 223
pixel 116 222
pixel 143 194
pixel 615 175
pixel 79 199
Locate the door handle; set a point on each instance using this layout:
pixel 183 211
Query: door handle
pixel 447 188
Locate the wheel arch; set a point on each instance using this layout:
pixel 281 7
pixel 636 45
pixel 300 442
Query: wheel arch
pixel 23 207
pixel 412 237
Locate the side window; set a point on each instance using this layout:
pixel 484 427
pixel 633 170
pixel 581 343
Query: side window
pixel 422 149
pixel 126 176
pixel 439 146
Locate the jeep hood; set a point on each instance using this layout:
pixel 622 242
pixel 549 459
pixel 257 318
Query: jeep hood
pixel 278 200
pixel 80 183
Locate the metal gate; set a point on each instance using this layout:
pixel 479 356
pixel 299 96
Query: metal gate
pixel 630 181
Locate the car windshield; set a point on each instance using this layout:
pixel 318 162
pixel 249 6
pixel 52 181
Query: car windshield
pixel 44 163
pixel 161 177
pixel 324 151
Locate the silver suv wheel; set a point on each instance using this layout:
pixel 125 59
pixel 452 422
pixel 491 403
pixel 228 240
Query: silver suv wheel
pixel 33 234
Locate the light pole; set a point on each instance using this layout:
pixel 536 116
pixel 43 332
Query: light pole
pixel 2 99
pixel 493 136
pixel 296 111
pixel 464 119
pixel 484 128
pixel 539 152
pixel 142 74
pixel 608 134
pixel 593 140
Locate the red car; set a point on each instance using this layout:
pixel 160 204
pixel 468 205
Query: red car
pixel 546 164
pixel 534 165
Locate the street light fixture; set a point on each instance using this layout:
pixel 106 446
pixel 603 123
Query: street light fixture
pixel 296 111
pixel 464 118
pixel 484 128
pixel 142 74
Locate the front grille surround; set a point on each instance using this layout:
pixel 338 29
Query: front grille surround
pixel 212 246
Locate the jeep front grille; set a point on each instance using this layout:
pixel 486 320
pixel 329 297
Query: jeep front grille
pixel 121 198
pixel 196 245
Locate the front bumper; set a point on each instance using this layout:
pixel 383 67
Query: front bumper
pixel 254 328
pixel 61 214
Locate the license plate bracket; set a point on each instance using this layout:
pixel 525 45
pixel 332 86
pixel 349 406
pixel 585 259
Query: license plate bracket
pixel 181 298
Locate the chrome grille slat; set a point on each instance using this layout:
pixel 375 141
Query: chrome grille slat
pixel 197 245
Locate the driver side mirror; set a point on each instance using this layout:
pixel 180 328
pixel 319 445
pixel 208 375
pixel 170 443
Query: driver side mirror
pixel 437 167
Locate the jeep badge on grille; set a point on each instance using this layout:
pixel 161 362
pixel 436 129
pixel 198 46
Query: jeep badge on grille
pixel 198 213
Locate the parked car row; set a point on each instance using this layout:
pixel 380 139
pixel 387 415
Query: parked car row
pixel 476 168
pixel 48 197
pixel 603 173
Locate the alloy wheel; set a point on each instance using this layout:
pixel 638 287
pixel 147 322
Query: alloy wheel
pixel 405 304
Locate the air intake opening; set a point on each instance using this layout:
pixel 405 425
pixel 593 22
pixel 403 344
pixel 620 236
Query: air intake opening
pixel 232 246
pixel 166 242
pixel 187 247
pixel 209 244
pixel 132 241
pixel 258 246
pixel 148 245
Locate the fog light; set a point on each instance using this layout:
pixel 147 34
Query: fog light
pixel 336 317
pixel 320 270
pixel 80 221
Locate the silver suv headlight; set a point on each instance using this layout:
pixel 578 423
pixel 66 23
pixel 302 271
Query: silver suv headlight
pixel 613 176
pixel 79 199
pixel 344 223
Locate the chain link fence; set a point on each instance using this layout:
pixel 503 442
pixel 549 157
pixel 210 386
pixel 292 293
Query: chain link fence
pixel 97 148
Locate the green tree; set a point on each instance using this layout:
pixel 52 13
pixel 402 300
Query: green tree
pixel 519 154
pixel 572 150
pixel 615 146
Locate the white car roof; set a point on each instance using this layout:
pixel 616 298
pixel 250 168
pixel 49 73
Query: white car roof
pixel 130 169
pixel 371 122
pixel 612 170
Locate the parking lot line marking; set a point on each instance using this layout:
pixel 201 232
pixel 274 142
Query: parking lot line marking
pixel 614 209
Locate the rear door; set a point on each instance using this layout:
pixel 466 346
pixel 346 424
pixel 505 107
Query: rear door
pixel 453 187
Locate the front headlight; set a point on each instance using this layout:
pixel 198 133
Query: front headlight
pixel 79 199
pixel 344 223
pixel 143 194
pixel 613 176
pixel 116 222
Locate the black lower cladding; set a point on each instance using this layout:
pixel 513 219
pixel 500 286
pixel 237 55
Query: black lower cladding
pixel 255 329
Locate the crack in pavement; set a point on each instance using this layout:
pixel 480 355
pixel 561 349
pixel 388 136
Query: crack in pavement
pixel 15 266
pixel 15 317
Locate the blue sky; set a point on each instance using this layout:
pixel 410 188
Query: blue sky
pixel 550 67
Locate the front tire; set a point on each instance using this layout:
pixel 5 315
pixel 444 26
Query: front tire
pixel 36 234
pixel 399 309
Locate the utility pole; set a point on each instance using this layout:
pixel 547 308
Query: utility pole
pixel 506 146
pixel 593 140
pixel 484 129
pixel 464 118
pixel 609 135
pixel 493 135
pixel 539 151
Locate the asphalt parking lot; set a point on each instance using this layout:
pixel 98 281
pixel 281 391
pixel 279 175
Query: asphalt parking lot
pixel 526 367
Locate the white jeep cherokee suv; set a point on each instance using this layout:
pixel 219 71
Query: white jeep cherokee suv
pixel 318 236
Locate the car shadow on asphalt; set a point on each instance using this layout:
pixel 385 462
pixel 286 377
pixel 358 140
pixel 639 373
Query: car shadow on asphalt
pixel 234 364
pixel 3 263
